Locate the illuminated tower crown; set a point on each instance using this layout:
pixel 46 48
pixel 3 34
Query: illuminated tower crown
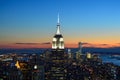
pixel 58 42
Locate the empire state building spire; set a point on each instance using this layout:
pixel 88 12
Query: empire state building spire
pixel 58 42
pixel 58 26
pixel 58 19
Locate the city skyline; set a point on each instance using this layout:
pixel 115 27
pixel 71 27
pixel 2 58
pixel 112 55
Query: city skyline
pixel 32 24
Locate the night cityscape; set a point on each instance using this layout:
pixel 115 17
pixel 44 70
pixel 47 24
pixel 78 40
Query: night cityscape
pixel 59 40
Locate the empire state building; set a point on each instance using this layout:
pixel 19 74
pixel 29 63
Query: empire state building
pixel 56 69
pixel 58 42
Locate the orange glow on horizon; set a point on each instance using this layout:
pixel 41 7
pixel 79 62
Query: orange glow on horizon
pixel 68 45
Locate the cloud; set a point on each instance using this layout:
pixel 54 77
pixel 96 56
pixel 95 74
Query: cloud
pixel 104 44
pixel 118 43
pixel 27 43
pixel 46 43
pixel 32 43
pixel 85 43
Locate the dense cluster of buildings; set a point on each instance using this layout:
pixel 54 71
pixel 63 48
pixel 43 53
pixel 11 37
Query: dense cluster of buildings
pixel 57 64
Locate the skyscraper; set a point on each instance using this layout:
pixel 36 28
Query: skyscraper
pixel 58 42
pixel 79 52
pixel 80 47
pixel 69 53
pixel 57 69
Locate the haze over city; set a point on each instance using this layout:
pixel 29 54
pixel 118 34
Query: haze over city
pixel 32 23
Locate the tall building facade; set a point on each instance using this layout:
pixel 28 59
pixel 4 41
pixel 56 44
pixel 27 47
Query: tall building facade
pixel 80 47
pixel 57 69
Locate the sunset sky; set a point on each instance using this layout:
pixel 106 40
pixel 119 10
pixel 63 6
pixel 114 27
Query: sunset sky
pixel 32 23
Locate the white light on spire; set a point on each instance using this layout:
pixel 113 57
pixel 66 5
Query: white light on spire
pixel 58 19
pixel 58 25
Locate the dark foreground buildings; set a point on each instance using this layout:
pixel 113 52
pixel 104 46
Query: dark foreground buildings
pixel 57 64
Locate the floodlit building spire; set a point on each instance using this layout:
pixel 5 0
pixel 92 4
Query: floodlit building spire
pixel 58 42
pixel 58 25
pixel 17 65
pixel 58 19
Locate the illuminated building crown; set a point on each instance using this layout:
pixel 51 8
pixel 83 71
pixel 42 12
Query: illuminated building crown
pixel 58 42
